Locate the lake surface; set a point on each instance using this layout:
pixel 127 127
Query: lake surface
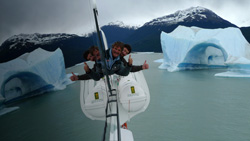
pixel 184 106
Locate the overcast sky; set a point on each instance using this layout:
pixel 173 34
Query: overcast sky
pixel 75 16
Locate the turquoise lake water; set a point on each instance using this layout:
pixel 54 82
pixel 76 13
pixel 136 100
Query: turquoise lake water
pixel 184 106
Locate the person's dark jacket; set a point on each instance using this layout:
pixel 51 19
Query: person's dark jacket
pixel 114 67
pixel 86 76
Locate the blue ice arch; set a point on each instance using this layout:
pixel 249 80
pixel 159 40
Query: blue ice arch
pixel 22 85
pixel 32 74
pixel 193 47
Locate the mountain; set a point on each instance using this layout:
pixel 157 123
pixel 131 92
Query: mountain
pixel 71 45
pixel 147 37
pixel 117 31
pixel 246 32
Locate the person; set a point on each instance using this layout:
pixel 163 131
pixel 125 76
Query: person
pixel 113 63
pixel 89 57
pixel 95 54
pixel 127 50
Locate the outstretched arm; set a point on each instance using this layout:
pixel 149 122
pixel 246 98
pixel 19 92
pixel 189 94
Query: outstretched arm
pixel 79 77
pixel 139 68
pixel 84 77
pixel 136 68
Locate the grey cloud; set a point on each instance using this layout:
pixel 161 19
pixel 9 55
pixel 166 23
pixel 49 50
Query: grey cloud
pixel 46 16
pixel 57 16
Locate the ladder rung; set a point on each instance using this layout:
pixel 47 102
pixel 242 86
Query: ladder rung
pixel 112 95
pixel 112 101
pixel 113 90
pixel 111 115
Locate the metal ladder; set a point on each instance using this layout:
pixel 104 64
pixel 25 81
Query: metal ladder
pixel 112 114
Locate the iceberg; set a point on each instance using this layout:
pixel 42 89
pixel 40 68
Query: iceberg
pixel 32 74
pixel 197 48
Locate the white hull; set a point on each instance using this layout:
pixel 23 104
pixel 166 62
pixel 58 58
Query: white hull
pixel 133 98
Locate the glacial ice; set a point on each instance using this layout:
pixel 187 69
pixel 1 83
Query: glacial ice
pixel 32 74
pixel 196 48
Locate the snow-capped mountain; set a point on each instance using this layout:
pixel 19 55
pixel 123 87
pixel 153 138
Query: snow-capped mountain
pixel 72 46
pixel 25 40
pixel 122 25
pixel 189 15
pixel 144 38
pixel 117 31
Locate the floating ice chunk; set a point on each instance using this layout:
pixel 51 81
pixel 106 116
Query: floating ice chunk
pixel 32 74
pixel 193 47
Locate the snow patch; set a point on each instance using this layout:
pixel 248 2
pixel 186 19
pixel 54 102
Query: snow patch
pixel 122 25
pixel 37 38
pixel 180 16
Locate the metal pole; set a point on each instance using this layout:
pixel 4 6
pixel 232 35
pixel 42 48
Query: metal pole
pixel 103 56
